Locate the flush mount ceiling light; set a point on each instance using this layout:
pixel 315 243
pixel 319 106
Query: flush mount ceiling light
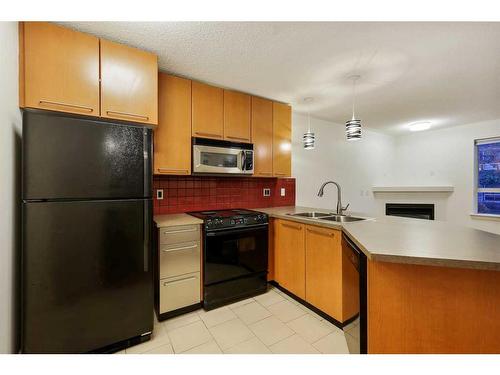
pixel 353 126
pixel 308 137
pixel 419 126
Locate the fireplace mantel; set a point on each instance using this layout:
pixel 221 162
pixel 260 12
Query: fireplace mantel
pixel 413 189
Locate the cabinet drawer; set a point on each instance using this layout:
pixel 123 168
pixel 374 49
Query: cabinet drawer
pixel 179 234
pixel 179 259
pixel 179 291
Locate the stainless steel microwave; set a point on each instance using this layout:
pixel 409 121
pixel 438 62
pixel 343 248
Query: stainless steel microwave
pixel 222 157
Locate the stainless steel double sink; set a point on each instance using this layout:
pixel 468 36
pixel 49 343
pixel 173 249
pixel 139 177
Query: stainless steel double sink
pixel 328 216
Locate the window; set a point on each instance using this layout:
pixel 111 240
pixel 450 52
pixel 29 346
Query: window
pixel 488 176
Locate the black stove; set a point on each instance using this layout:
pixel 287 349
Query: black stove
pixel 225 219
pixel 234 255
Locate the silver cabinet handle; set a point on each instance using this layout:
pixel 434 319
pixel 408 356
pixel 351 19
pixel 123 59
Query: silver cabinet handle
pixel 238 138
pixel 321 233
pixel 88 109
pixel 127 114
pixel 179 281
pixel 180 231
pixel 170 170
pixel 181 248
pixel 209 134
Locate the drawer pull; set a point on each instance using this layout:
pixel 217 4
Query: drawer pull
pixel 179 281
pixel 265 173
pixel 127 115
pixel 238 138
pixel 180 231
pixel 209 134
pixel 88 109
pixel 298 227
pixel 281 174
pixel 321 232
pixel 181 248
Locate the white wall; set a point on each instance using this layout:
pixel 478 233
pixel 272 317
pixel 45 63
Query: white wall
pixel 10 148
pixel 356 166
pixel 439 157
pixel 446 156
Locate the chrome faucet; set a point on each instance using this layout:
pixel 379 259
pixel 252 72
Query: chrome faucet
pixel 340 209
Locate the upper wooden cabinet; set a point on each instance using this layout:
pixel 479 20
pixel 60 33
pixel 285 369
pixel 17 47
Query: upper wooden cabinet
pixel 208 111
pixel 237 116
pixel 282 140
pixel 172 138
pixel 59 69
pixel 262 136
pixel 290 258
pixel 324 270
pixel 129 83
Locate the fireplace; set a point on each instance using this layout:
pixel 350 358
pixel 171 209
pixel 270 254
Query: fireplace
pixel 414 210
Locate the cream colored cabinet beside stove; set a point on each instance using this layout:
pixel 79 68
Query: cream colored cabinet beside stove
pixel 179 269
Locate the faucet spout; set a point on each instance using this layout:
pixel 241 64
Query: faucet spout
pixel 340 208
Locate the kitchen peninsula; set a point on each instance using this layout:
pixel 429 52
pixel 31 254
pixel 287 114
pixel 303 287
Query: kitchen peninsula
pixel 432 287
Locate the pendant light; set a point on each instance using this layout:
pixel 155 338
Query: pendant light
pixel 353 126
pixel 308 137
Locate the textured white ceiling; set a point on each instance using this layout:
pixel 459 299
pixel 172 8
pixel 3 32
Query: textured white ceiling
pixel 446 73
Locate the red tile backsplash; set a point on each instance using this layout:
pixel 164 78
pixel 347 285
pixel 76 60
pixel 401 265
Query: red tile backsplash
pixel 183 194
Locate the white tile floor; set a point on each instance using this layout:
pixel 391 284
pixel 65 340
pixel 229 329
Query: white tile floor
pixel 269 323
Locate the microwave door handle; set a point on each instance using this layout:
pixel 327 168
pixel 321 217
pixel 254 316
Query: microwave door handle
pixel 243 160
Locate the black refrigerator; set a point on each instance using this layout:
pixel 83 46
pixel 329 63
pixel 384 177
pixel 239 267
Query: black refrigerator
pixel 86 283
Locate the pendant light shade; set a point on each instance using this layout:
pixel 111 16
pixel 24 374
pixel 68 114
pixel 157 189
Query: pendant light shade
pixel 308 138
pixel 353 130
pixel 353 126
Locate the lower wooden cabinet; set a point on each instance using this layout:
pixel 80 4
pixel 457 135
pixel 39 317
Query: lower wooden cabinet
pixel 324 270
pixel 290 256
pixel 311 262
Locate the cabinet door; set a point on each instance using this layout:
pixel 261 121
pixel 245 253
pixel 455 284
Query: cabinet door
pixel 282 140
pixel 324 270
pixel 290 256
pixel 59 69
pixel 208 111
pixel 237 116
pixel 129 83
pixel 262 136
pixel 172 140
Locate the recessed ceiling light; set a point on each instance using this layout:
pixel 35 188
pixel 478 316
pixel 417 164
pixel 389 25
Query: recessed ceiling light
pixel 419 126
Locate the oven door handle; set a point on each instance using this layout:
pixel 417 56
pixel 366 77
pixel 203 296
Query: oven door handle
pixel 222 232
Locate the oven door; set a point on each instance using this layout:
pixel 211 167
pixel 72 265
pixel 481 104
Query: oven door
pixel 211 159
pixel 235 253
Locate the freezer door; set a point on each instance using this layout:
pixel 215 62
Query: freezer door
pixel 86 274
pixel 76 158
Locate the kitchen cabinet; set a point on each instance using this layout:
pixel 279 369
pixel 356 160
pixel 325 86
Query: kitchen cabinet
pixel 178 285
pixel 324 270
pixel 207 111
pixel 172 140
pixel 129 83
pixel 262 136
pixel 282 140
pixel 312 262
pixel 290 256
pixel 58 69
pixel 237 116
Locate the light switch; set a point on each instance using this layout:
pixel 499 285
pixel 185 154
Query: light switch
pixel 282 192
pixel 159 194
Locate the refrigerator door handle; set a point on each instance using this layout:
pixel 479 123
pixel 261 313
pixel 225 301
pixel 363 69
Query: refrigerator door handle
pixel 147 236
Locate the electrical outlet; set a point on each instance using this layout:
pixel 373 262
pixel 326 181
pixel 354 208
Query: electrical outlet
pixel 267 192
pixel 159 194
pixel 282 192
